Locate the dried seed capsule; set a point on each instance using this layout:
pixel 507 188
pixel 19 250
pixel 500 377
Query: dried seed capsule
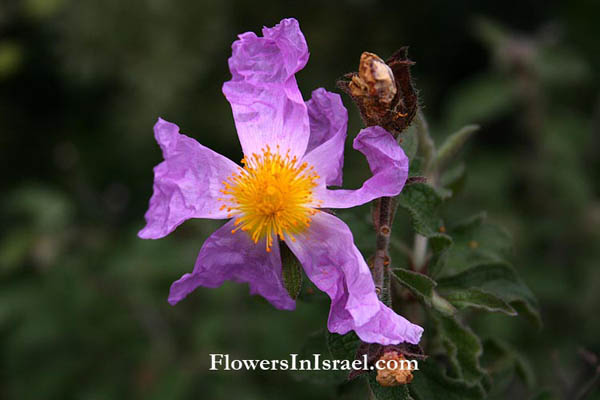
pixel 375 78
pixel 400 375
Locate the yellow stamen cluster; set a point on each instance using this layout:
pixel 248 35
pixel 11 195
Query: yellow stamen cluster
pixel 271 195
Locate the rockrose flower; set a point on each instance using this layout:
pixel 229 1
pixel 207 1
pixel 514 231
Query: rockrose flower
pixel 292 151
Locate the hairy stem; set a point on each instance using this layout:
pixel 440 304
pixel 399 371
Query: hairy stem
pixel 382 220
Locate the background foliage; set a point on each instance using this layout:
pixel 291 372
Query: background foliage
pixel 83 310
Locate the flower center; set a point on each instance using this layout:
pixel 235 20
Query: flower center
pixel 271 195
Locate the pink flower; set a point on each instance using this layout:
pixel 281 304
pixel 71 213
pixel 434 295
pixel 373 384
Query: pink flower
pixel 293 151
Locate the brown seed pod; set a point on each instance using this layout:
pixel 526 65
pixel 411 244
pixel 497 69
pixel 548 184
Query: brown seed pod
pixel 396 376
pixel 375 79
pixel 383 91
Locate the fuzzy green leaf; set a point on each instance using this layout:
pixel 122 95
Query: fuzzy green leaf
pixel 442 305
pixel 409 142
pixel 419 284
pixel 431 383
pixel 453 179
pixel 422 287
pixel 464 349
pixel 343 347
pixel 545 394
pixel 480 99
pixel 503 361
pixel 477 298
pixel 500 279
pixel 452 145
pixel 475 241
pixel 423 203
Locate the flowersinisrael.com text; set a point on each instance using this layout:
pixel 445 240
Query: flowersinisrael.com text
pixel 223 362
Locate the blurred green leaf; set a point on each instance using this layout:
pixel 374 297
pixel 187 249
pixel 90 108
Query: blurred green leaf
pixel 478 298
pixel 431 383
pixel 47 209
pixel 545 394
pixel 502 361
pixel 479 99
pixel 500 279
pixel 14 249
pixel 491 33
pixel 343 347
pixel 416 167
pixel 11 55
pixel 423 204
pixel 409 142
pixel 43 8
pixel 475 241
pixel 452 145
pixel 464 350
pixel 561 67
pixel 453 179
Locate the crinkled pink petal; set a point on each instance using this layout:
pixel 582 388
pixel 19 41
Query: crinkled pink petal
pixel 235 257
pixel 328 122
pixel 334 264
pixel 186 183
pixel 388 164
pixel 267 105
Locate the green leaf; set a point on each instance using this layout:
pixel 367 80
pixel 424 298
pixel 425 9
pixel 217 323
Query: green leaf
pixel 452 145
pixel 15 248
pixel 475 241
pixel 409 142
pixel 478 298
pixel 422 287
pixel 500 279
pixel 464 349
pixel 416 167
pixel 11 57
pixel 502 361
pixel 524 370
pixel 480 99
pixel 291 271
pixel 442 305
pixel 453 179
pixel 343 347
pixel 385 392
pixel 419 284
pixel 423 203
pixel 431 383
pixel 545 394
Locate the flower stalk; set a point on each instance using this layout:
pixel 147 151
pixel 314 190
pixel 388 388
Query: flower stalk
pixel 385 96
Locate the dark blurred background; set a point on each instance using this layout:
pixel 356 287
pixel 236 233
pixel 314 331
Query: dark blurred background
pixel 83 311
